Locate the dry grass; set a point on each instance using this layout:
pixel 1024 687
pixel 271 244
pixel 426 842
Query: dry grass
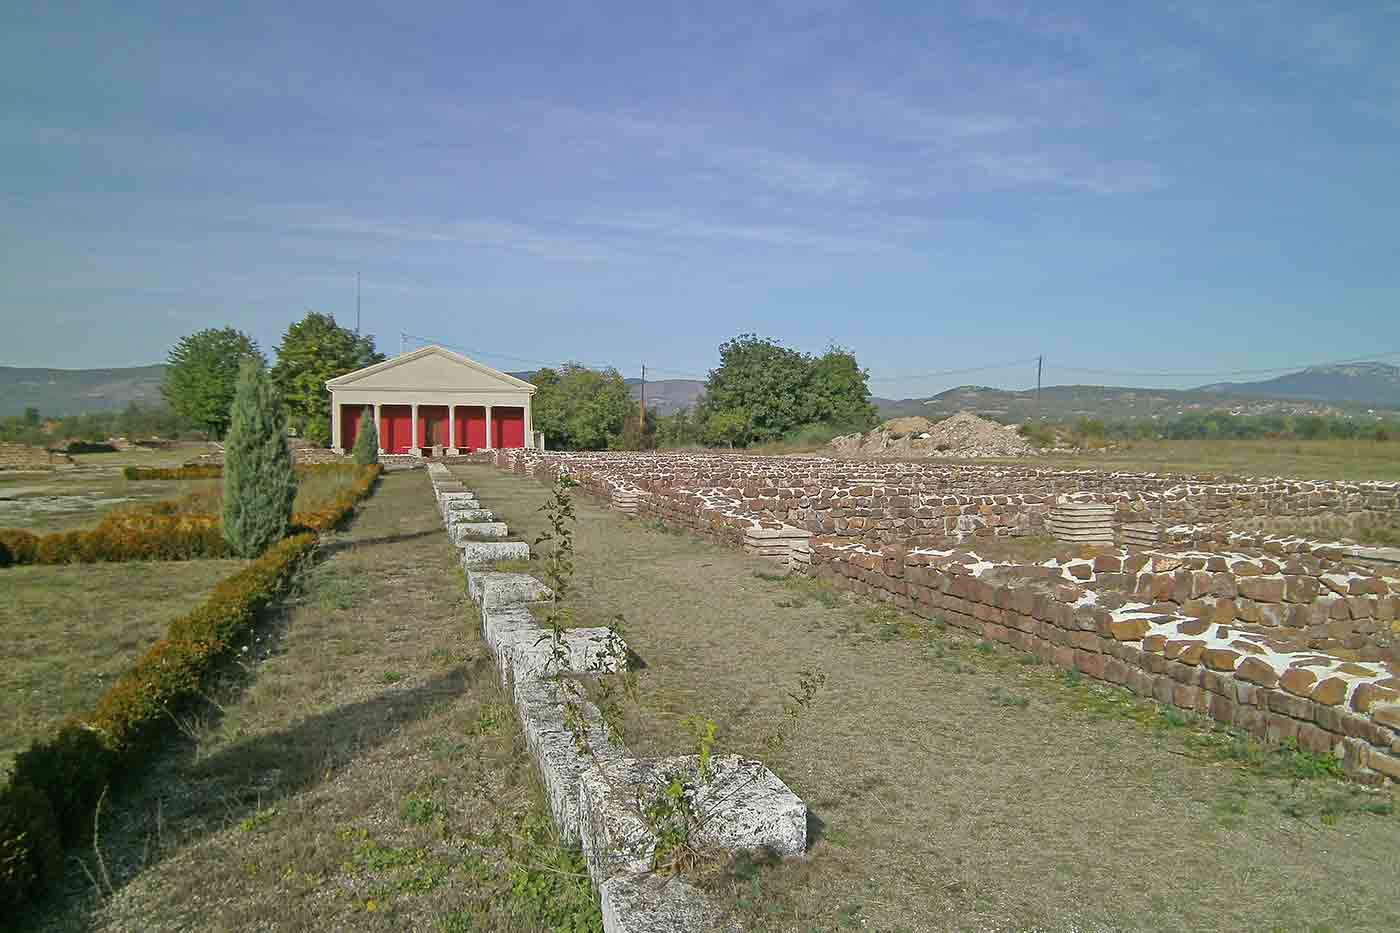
pixel 1326 460
pixel 361 769
pixel 71 629
pixel 954 783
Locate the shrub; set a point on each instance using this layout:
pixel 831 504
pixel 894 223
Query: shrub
pixel 21 545
pixel 31 848
pixel 259 482
pixel 366 449
pixel 198 471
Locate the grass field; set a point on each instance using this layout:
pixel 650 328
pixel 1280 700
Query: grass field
pixel 361 770
pixel 956 784
pixel 70 630
pixel 1319 460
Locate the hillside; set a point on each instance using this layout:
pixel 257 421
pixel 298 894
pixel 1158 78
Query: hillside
pixel 57 392
pixel 1366 383
pixel 668 396
pixel 1107 403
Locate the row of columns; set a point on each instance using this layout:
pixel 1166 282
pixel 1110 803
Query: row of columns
pixel 414 446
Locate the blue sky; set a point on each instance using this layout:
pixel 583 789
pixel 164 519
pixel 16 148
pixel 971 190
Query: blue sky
pixel 1135 188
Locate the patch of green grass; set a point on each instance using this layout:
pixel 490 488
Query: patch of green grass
pixel 391 677
pixel 418 810
pixel 1003 697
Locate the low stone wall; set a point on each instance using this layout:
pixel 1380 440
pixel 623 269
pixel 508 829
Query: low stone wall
pixel 921 503
pixel 1327 703
pixel 27 457
pixel 1301 600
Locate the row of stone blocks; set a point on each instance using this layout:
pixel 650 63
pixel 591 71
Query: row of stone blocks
pixel 597 793
pixel 473 530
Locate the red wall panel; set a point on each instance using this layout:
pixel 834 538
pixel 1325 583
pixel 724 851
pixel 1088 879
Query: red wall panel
pixel 349 425
pixel 396 428
pixel 471 427
pixel 508 426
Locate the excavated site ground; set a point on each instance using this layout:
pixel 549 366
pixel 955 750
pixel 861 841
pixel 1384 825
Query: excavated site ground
pixel 955 782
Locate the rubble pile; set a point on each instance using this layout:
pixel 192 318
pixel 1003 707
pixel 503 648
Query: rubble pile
pixel 962 435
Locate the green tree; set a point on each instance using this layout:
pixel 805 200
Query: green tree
pixel 313 350
pixel 636 434
pixel 202 373
pixel 839 391
pixel 680 429
pixel 31 417
pixel 579 408
pixel 766 381
pixel 366 449
pixel 730 426
pixel 259 481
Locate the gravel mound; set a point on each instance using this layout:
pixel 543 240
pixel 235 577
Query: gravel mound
pixel 962 435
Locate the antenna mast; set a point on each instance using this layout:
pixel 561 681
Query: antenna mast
pixel 357 304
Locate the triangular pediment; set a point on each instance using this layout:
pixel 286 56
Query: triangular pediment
pixel 431 367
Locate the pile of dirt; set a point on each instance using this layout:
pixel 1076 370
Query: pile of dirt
pixel 962 435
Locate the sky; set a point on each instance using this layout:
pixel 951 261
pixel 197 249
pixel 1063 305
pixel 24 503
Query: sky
pixel 1143 193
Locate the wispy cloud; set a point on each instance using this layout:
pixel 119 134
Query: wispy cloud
pixel 483 234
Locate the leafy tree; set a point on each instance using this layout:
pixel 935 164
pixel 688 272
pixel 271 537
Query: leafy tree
pixel 31 417
pixel 681 429
pixel 313 350
pixel 839 391
pixel 636 434
pixel 730 426
pixel 778 390
pixel 578 408
pixel 366 449
pixel 766 381
pixel 203 371
pixel 259 482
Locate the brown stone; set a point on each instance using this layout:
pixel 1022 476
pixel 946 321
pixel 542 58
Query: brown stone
pixel 1315 740
pixel 1298 681
pixel 1129 629
pixel 1154 643
pixel 1224 611
pixel 1194 627
pixel 1367 695
pixel 1330 691
pixel 1387 714
pixel 1220 659
pixel 1257 672
pixel 1385 764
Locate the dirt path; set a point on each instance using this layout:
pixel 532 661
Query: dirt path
pixel 366 775
pixel 957 784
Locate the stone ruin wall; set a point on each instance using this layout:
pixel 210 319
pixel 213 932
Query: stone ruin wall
pixel 27 457
pixel 870 528
pixel 883 503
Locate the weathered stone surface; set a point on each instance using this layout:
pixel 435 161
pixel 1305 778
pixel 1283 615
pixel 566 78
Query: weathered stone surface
pixel 469 515
pixel 530 653
pixel 463 532
pixel 1298 681
pixel 653 904
pixel 485 553
pixel 490 588
pixel 1330 691
pixel 1220 659
pixel 1367 695
pixel 1257 672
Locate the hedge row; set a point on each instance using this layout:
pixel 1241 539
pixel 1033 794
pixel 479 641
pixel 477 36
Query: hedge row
pixel 200 471
pixel 161 532
pixel 54 788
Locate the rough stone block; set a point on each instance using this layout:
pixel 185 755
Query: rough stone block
pixel 655 904
pixel 463 532
pixel 485 553
pixel 490 589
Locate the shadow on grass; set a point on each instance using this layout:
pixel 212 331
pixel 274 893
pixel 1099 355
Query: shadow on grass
pixel 349 544
pixel 232 786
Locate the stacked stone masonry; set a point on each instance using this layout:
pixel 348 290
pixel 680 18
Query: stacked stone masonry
pixel 1285 638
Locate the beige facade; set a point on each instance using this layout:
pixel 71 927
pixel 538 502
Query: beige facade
pixel 432 400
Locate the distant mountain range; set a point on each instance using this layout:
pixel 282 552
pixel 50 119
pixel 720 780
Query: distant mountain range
pixel 1323 390
pixel 1366 383
pixel 78 391
pixel 1352 388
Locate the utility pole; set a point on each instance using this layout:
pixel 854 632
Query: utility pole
pixel 403 342
pixel 1039 364
pixel 642 410
pixel 357 304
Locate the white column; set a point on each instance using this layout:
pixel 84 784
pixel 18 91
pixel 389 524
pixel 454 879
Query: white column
pixel 452 428
pixel 413 431
pixel 529 423
pixel 488 427
pixel 378 429
pixel 337 442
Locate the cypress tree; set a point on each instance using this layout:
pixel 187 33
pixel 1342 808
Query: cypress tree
pixel 259 481
pixel 366 449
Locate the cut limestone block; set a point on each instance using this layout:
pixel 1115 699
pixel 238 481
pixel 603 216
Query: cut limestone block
pixel 564 757
pixel 452 501
pixel 491 589
pixel 581 651
pixel 486 553
pixel 473 531
pixel 457 516
pixel 659 904
pixel 502 621
pixel 742 806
